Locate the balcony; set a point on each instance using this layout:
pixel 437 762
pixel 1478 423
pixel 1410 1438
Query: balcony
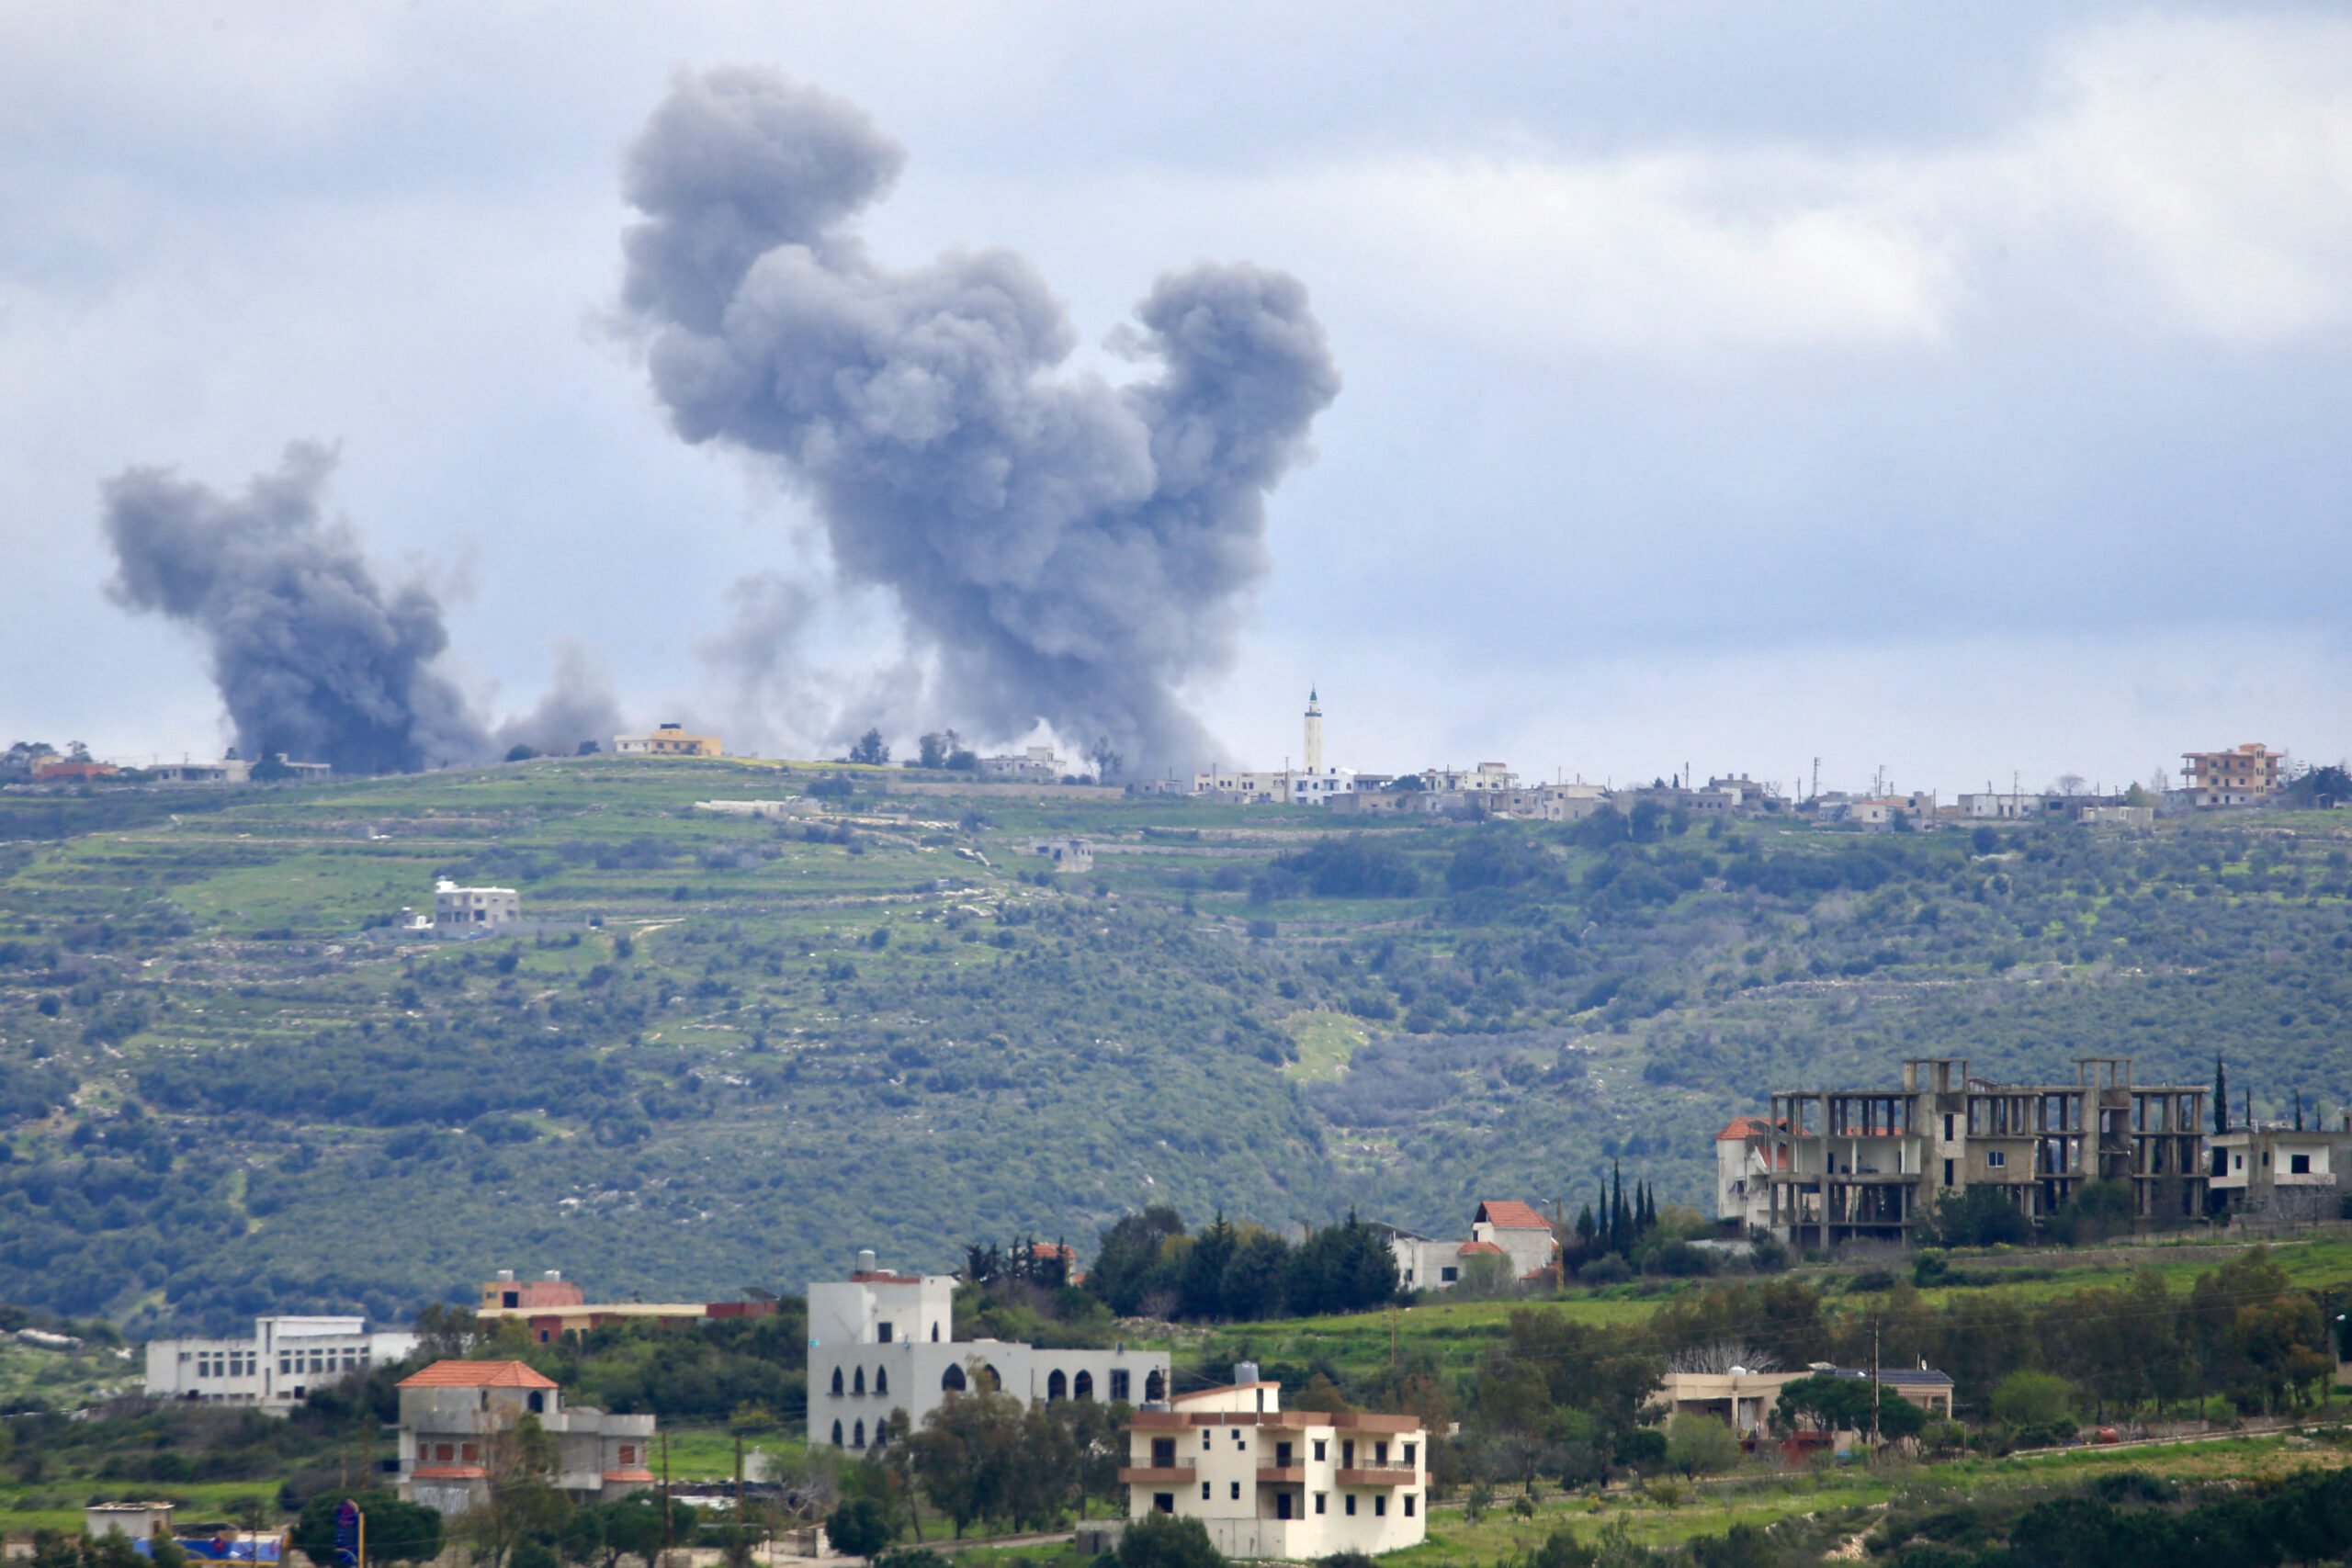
pixel 1386 1477
pixel 1154 1476
pixel 1282 1475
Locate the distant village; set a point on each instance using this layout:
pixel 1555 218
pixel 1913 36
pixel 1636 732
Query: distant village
pixel 2249 776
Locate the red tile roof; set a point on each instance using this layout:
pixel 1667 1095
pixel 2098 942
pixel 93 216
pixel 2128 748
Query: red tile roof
pixel 477 1375
pixel 1745 1127
pixel 1510 1216
pixel 1470 1247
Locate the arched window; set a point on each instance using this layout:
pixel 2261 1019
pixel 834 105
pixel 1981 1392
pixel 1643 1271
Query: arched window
pixel 858 1439
pixel 1154 1387
pixel 1057 1386
pixel 837 1434
pixel 538 1402
pixel 837 1383
pixel 988 1380
pixel 858 1386
pixel 935 1334
pixel 1083 1387
pixel 881 1380
pixel 953 1380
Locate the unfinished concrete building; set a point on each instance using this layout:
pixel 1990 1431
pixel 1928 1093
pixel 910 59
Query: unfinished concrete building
pixel 1851 1165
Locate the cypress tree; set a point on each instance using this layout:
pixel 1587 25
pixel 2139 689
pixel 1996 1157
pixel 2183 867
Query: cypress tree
pixel 1621 1221
pixel 2220 1097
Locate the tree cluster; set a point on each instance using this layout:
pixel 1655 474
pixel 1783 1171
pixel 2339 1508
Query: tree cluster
pixel 1148 1266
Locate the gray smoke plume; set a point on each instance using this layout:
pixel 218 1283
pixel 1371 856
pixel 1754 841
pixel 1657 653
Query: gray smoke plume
pixel 312 656
pixel 1071 549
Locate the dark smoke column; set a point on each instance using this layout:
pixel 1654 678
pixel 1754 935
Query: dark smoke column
pixel 1071 549
pixel 312 658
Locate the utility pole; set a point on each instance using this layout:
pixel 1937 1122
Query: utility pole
pixel 665 1500
pixel 1874 1383
pixel 1816 780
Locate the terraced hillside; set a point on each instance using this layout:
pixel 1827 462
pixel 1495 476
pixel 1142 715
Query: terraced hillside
pixel 740 1048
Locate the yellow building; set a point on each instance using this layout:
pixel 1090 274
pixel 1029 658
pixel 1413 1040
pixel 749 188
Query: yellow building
pixel 2238 777
pixel 669 741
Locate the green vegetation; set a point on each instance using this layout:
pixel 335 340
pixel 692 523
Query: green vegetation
pixel 746 1046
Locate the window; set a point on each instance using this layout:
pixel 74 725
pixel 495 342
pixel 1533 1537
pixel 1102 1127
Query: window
pixel 1282 1504
pixel 1319 1455
pixel 2237 1162
pixel 1318 1502
pixel 1947 1126
pixel 1164 1501
pixel 1408 1504
pixel 1057 1386
pixel 468 1454
pixel 1281 1455
pixel 1082 1386
pixel 1119 1383
pixel 1380 1505
pixel 837 1434
pixel 1204 1491
pixel 2298 1165
pixel 1447 1275
pixel 857 1436
pixel 1409 1460
pixel 444 1453
pixel 1237 1492
pixel 1947 1173
pixel 882 1331
pixel 1347 1504
pixel 1163 1454
pixel 1996 1159
pixel 627 1455
pixel 1409 1276
pixel 952 1379
pixel 857 1383
pixel 1380 1453
pixel 881 1380
pixel 1236 1440
pixel 538 1402
pixel 837 1382
pixel 1348 1455
pixel 935 1334
pixel 1205 1436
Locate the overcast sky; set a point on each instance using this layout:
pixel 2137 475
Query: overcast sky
pixel 1950 387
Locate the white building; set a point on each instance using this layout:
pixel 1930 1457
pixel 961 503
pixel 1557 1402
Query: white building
pixel 1038 764
pixel 1064 855
pixel 880 1342
pixel 2007 805
pixel 1513 1230
pixel 1264 1482
pixel 276 1366
pixel 1743 1187
pixel 466 911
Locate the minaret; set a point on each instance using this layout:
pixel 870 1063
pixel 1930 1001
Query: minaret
pixel 1313 735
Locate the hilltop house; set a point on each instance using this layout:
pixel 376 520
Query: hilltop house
pixel 553 1306
pixel 1513 1230
pixel 1300 1486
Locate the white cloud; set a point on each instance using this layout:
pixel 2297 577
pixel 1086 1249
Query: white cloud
pixel 2198 173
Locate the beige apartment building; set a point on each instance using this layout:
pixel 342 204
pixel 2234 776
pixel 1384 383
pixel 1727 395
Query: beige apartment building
pixel 1847 1165
pixel 1268 1483
pixel 2244 776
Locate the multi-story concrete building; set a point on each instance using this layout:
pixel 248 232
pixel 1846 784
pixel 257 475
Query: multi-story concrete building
pixel 1268 1483
pixel 880 1342
pixel 2245 775
pixel 455 1414
pixel 1869 1164
pixel 470 911
pixel 1503 1227
pixel 667 740
pixel 1038 764
pixel 553 1306
pixel 275 1366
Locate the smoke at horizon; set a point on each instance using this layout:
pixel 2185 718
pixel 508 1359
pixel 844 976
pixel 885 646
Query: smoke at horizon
pixel 313 656
pixel 1070 551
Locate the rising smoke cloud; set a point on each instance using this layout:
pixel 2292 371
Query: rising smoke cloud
pixel 313 656
pixel 1071 550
